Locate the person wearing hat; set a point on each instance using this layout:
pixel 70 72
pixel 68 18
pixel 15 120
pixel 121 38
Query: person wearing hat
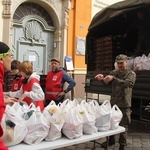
pixel 5 65
pixel 55 80
pixel 122 80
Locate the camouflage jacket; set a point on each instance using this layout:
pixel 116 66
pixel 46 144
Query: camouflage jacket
pixel 122 87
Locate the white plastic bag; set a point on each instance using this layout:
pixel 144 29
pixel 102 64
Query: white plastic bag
pixel 67 104
pixel 14 127
pixel 88 118
pixel 115 65
pixel 103 116
pixel 130 62
pixel 94 106
pixel 20 107
pixel 116 116
pixel 137 63
pixel 73 126
pixel 37 125
pixel 145 62
pixel 55 117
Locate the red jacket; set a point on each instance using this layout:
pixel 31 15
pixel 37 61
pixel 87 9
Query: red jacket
pixel 53 84
pixel 16 84
pixel 28 87
pixel 2 104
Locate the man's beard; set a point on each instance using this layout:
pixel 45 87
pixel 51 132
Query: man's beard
pixel 54 69
pixel 122 68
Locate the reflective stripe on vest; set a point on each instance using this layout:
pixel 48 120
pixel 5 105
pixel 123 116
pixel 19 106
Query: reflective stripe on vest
pixel 55 93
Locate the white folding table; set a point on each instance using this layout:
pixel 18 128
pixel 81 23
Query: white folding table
pixel 64 141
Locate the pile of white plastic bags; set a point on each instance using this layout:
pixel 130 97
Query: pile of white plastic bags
pixel 23 123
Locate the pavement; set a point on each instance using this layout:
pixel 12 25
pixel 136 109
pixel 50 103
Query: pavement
pixel 138 139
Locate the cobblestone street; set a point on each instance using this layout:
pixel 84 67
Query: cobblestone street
pixel 135 141
pixel 138 139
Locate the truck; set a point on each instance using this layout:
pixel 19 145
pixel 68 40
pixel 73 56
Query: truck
pixel 105 40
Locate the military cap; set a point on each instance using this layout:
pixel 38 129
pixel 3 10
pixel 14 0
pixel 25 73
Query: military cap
pixel 55 59
pixel 121 58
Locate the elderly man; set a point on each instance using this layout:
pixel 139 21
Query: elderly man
pixel 55 81
pixel 122 81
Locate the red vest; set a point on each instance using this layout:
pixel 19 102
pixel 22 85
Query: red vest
pixel 2 104
pixel 53 84
pixel 28 87
pixel 16 84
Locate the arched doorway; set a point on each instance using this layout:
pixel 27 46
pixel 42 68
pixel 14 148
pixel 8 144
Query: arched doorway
pixel 33 36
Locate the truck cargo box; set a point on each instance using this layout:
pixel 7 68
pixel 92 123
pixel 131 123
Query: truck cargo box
pixel 106 39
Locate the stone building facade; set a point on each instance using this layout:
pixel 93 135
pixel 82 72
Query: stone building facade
pixel 42 29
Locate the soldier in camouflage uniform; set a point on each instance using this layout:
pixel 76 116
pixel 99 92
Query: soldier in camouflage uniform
pixel 122 81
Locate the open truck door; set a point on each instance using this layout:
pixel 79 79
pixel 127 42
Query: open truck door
pixel 108 35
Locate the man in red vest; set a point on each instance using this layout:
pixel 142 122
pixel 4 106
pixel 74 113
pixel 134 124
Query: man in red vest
pixel 55 81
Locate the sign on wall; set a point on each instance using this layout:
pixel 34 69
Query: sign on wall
pixel 69 63
pixel 80 45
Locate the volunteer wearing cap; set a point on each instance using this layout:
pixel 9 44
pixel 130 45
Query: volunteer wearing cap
pixel 5 65
pixel 55 81
pixel 122 81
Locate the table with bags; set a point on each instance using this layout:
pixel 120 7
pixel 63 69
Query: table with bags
pixel 64 141
pixel 69 123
